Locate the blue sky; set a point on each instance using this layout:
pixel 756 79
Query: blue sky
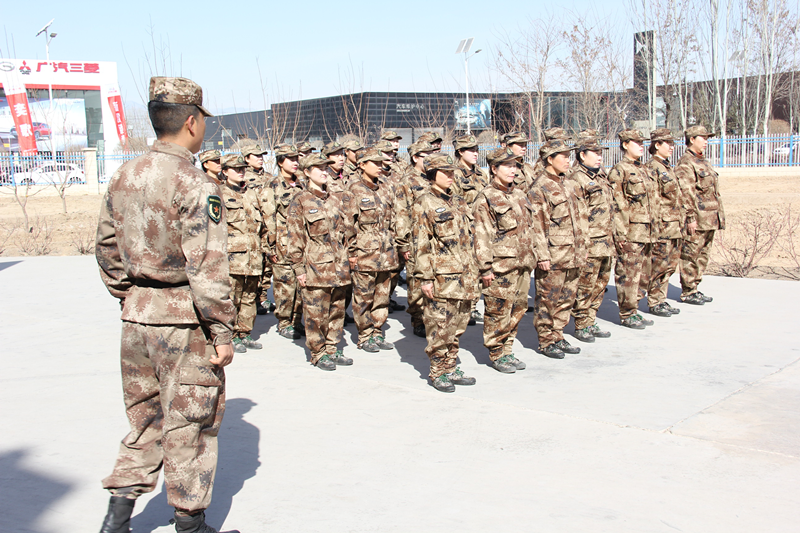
pixel 304 49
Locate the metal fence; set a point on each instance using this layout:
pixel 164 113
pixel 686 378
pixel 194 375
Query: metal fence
pixel 45 168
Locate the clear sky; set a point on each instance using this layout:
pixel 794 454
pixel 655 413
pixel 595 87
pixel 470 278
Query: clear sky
pixel 305 49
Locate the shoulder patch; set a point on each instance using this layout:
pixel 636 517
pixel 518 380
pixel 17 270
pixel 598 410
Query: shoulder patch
pixel 214 208
pixel 440 210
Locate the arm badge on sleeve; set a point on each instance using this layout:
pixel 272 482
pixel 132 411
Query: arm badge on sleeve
pixel 214 208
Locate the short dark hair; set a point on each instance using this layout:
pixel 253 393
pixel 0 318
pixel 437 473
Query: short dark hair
pixel 279 159
pixel 168 119
pixel 430 175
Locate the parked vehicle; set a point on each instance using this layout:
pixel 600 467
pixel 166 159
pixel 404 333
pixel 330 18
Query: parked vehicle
pixel 40 129
pixel 49 173
pixel 781 154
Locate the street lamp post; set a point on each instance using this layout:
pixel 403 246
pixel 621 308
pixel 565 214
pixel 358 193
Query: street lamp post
pixel 47 39
pixel 463 48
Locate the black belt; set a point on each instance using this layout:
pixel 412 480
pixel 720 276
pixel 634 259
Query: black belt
pixel 153 284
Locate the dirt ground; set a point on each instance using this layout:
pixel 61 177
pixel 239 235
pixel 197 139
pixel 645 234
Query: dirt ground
pixel 59 233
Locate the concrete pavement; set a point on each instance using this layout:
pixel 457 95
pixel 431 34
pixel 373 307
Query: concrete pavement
pixel 690 425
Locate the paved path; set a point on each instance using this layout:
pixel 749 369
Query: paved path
pixel 692 425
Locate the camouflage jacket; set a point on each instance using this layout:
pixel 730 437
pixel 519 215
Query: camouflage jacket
pixel 349 171
pixel 276 196
pixel 564 241
pixel 506 227
pixel 246 229
pixel 318 237
pixel 636 202
pixel 336 182
pixel 525 177
pixel 468 182
pixel 161 243
pixel 256 180
pixel 444 246
pixel 670 197
pixel 400 165
pixel 411 186
pixel 371 208
pixel 597 199
pixel 700 185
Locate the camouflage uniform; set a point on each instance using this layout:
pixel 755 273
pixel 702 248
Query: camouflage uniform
pixel 336 182
pixel 564 245
pixel 161 243
pixel 351 169
pixel 635 223
pixel 526 174
pixel 318 232
pixel 371 207
pixel 276 196
pixel 506 227
pixel 700 186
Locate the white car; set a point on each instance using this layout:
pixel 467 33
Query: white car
pixel 50 173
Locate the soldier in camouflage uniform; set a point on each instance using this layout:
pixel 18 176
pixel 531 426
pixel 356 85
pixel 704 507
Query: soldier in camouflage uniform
pixel 351 149
pixel 246 231
pixel 401 166
pixel 210 161
pixel 394 180
pixel 446 269
pixel 517 141
pixel 506 228
pixel 319 234
pixel 635 224
pixel 468 181
pixel 432 138
pixel 563 248
pixel 370 203
pixel 666 250
pixel 597 200
pixel 276 196
pixel 335 152
pixel 305 148
pixel 704 213
pixel 161 242
pixel 557 134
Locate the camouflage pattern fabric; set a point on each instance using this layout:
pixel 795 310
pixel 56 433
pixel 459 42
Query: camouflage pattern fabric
pixel 324 317
pixel 177 91
pixel 592 283
pixel 627 275
pixel 257 180
pixel 594 191
pixel 243 294
pixel 505 303
pixel 695 253
pixel 468 182
pixel 288 300
pixel 526 175
pixel 246 230
pixel 662 264
pixel 671 209
pixel 699 183
pixel 555 295
pixel 349 171
pixel 370 302
pixel 372 208
pixel 445 321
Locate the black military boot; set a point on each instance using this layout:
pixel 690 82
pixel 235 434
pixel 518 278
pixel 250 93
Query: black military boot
pixel 195 524
pixel 584 334
pixel 419 331
pixel 118 517
pixel 566 347
pixel 552 351
pixel 661 310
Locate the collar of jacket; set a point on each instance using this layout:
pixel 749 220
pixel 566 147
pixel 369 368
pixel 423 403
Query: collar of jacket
pixel 628 159
pixel 317 191
pixel 695 154
pixel 592 172
pixel 166 147
pixel 236 188
pixel 368 182
pixel 663 162
pixel 444 195
pixel 500 187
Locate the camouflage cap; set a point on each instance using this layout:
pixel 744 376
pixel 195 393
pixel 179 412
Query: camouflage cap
pixel 233 161
pixel 314 160
pixel 390 135
pixel 384 146
pixel 661 134
pixel 589 143
pixel 331 148
pixel 551 134
pixel 465 141
pixel 177 91
pixel 430 136
pixel 501 155
pixel 372 154
pixel 286 150
pixel 631 135
pixel 353 145
pixel 305 146
pixel 586 134
pixel 555 146
pixel 440 161
pixel 514 137
pixel 209 155
pixel 698 131
pixel 419 147
pixel 252 149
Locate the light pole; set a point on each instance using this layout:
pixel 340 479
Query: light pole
pixel 463 48
pixel 47 39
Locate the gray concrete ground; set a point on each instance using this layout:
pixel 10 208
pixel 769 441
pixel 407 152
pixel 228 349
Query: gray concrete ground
pixel 692 425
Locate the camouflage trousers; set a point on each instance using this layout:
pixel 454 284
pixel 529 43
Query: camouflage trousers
pixel 656 272
pixel 370 302
pixel 288 302
pixel 266 281
pixel 414 295
pixel 243 295
pixel 174 400
pixel 324 312
pixel 627 274
pixel 592 283
pixel 445 321
pixel 555 296
pixel 505 303
pixel 695 252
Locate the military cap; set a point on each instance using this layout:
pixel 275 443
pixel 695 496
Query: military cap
pixel 585 134
pixel 177 91
pixel 513 137
pixel 631 135
pixel 305 146
pixel 501 155
pixel 551 134
pixel 430 136
pixel 372 154
pixel 418 147
pixel 314 160
pixel 353 145
pixel 331 148
pixel 384 146
pixel 390 135
pixel 589 143
pixel 233 161
pixel 555 146
pixel 286 150
pixel 698 131
pixel 252 149
pixel 440 161
pixel 465 141
pixel 661 134
pixel 208 155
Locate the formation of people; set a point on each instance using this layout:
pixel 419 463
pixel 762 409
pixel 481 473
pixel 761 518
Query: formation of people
pixel 337 229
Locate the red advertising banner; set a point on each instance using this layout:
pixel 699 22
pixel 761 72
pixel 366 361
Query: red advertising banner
pixel 115 102
pixel 18 102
